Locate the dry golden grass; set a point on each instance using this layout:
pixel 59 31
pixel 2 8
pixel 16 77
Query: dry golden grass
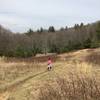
pixel 26 80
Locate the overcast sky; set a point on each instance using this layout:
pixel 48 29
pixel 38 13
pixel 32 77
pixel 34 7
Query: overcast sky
pixel 20 15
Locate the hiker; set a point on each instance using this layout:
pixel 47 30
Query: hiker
pixel 49 64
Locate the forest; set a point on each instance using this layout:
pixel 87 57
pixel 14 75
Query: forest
pixel 49 40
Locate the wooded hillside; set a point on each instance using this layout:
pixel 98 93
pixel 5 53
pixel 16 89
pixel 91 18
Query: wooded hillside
pixel 49 41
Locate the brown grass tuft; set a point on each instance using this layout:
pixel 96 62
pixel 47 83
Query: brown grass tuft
pixel 76 88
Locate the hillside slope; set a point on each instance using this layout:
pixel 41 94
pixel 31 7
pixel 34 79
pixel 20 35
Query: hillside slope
pixel 23 80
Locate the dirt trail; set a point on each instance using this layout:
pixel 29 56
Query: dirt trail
pixel 10 86
pixel 5 91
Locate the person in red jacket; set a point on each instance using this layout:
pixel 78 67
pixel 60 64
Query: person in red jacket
pixel 49 63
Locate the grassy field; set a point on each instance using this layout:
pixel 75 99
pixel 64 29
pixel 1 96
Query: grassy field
pixel 75 76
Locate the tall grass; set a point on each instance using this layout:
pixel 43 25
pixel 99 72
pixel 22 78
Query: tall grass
pixel 80 84
pixel 75 88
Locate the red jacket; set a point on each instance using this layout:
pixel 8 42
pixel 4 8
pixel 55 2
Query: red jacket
pixel 49 62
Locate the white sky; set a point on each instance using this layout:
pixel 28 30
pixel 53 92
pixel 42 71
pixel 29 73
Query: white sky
pixel 20 15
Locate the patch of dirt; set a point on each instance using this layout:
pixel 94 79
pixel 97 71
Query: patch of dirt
pixel 93 57
pixel 4 96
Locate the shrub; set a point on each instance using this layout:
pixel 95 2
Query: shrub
pixel 77 88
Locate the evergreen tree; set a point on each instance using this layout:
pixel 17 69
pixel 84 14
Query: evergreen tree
pixel 51 29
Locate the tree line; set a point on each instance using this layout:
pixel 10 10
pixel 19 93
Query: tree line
pixel 49 41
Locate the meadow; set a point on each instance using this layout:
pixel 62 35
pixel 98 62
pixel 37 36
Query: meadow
pixel 74 76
